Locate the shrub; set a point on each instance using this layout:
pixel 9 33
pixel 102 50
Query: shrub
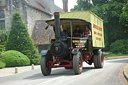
pixel 20 40
pixel 119 46
pixel 14 58
pixel 3 35
pixel 3 39
pixel 2 64
pixel 2 47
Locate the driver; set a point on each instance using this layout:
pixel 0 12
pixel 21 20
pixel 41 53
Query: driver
pixel 77 32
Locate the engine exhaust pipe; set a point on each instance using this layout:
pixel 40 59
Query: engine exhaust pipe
pixel 57 25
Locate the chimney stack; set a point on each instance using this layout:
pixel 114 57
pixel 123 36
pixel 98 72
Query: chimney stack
pixel 65 5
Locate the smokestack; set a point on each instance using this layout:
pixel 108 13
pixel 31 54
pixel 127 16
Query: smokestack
pixel 57 25
pixel 65 5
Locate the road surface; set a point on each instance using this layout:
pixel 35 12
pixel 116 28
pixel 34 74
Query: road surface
pixel 111 74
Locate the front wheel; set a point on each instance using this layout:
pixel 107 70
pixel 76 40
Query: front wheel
pixel 45 68
pixel 98 60
pixel 77 63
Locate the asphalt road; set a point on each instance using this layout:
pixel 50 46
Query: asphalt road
pixel 111 74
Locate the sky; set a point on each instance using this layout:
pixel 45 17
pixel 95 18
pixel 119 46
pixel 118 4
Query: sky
pixel 71 3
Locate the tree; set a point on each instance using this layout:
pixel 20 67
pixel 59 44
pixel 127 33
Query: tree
pixel 125 9
pixel 124 16
pixel 20 40
pixel 111 15
pixel 110 11
pixel 88 4
pixel 99 2
pixel 113 29
pixel 82 5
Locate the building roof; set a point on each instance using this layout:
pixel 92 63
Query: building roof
pixel 38 4
pixel 40 35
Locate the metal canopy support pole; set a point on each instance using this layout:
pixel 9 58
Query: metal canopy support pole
pixel 71 32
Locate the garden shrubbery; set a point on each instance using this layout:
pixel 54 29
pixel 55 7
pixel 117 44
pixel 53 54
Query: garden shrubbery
pixel 20 40
pixel 119 46
pixel 3 39
pixel 14 58
pixel 2 64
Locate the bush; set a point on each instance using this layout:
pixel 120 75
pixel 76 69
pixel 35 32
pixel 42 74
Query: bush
pixel 3 35
pixel 20 40
pixel 2 64
pixel 14 58
pixel 119 46
pixel 3 39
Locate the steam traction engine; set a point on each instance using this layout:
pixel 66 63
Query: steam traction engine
pixel 69 51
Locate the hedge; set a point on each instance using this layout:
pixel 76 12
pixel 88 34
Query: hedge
pixel 14 58
pixel 2 64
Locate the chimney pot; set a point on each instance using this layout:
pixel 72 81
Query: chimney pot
pixel 65 5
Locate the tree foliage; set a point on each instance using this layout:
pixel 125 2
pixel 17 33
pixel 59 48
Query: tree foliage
pixel 3 39
pixel 119 46
pixel 114 20
pixel 82 5
pixel 99 2
pixel 3 36
pixel 20 40
pixel 124 16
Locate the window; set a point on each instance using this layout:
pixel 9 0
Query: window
pixel 2 14
pixel 2 24
pixel 2 19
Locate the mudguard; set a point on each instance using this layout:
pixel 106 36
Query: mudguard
pixel 43 52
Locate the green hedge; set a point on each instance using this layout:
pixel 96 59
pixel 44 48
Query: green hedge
pixel 2 64
pixel 14 58
pixel 119 46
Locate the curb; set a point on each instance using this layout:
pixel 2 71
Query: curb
pixel 125 73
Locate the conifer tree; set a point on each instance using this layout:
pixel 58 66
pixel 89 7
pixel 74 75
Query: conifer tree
pixel 20 40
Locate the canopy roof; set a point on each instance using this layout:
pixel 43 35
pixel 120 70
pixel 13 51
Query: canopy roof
pixel 66 22
pixel 84 15
pixel 76 17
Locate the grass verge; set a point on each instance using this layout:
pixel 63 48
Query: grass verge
pixel 109 55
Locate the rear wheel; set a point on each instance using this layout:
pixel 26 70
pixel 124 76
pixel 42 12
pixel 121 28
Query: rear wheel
pixel 98 60
pixel 45 67
pixel 77 63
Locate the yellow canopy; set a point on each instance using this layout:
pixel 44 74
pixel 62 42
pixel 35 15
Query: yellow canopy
pixel 84 15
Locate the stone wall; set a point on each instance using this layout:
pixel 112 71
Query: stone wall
pixel 50 5
pixel 29 15
pixel 13 6
pixel 2 3
pixel 34 15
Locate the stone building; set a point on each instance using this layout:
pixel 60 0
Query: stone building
pixel 30 10
pixel 33 13
pixel 42 37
